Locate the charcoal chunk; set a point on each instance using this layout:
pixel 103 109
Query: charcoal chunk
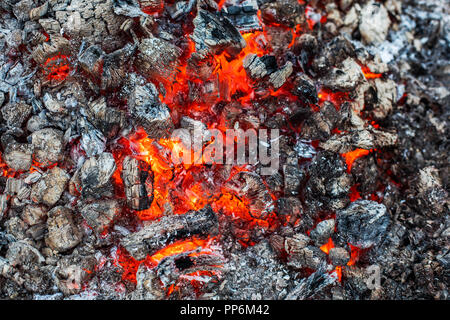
pixel 322 232
pixel 137 177
pixel 214 33
pixel 339 256
pixel 50 187
pixel 160 233
pixel 18 156
pixel 63 234
pixel 107 119
pixel 259 67
pixel 363 224
pixel 153 115
pixel 48 146
pixel 100 214
pixel 158 59
pixel 95 175
pixel 305 89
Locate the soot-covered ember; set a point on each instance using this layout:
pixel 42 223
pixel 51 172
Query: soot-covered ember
pixel 346 197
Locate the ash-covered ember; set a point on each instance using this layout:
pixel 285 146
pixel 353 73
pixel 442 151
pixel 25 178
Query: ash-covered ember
pixel 95 204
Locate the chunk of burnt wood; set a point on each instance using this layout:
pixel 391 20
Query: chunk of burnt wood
pixel 95 175
pixel 339 256
pixel 366 174
pixel 137 177
pixel 308 257
pixel 168 229
pixel 109 70
pixel 73 271
pixel 100 214
pixel 291 208
pixel 334 52
pixel 279 77
pixel 63 234
pixel 344 77
pixel 18 156
pixel 214 33
pixel 250 186
pixel 108 120
pixel 244 15
pixel 329 183
pixel 285 12
pixel 383 100
pixel 48 146
pixel 305 89
pixel 50 187
pixel 259 67
pixel 56 45
pixel 363 139
pixel 157 59
pixel 15 114
pixel 34 214
pixel 153 115
pixel 171 268
pixel 293 177
pixel 363 223
pixel 322 232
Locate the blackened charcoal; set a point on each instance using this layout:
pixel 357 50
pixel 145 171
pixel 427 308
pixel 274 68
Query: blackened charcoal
pixel 109 70
pixel 18 156
pixel 100 214
pixel 15 114
pixel 334 52
pixel 48 146
pixel 329 183
pixel 168 229
pixel 363 139
pixel 137 177
pixel 50 187
pixel 305 89
pixel 105 118
pixel 158 59
pixel 214 33
pixel 91 60
pixel 243 15
pixel 345 77
pixel 363 223
pixel 339 256
pixel 63 233
pixel 95 175
pixel 72 271
pixel 147 109
pixel 259 67
pixel 170 269
pixel 309 257
pixel 322 232
pixel 285 12
pixel 251 186
pixel 279 77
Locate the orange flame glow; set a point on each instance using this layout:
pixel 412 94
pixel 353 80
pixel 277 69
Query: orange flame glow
pixel 57 68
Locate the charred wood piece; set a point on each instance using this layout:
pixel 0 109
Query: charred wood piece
pixel 137 177
pixel 214 33
pixel 169 229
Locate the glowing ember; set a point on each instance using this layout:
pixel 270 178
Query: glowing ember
pixel 57 68
pixel 370 75
pixel 327 246
pixel 351 156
